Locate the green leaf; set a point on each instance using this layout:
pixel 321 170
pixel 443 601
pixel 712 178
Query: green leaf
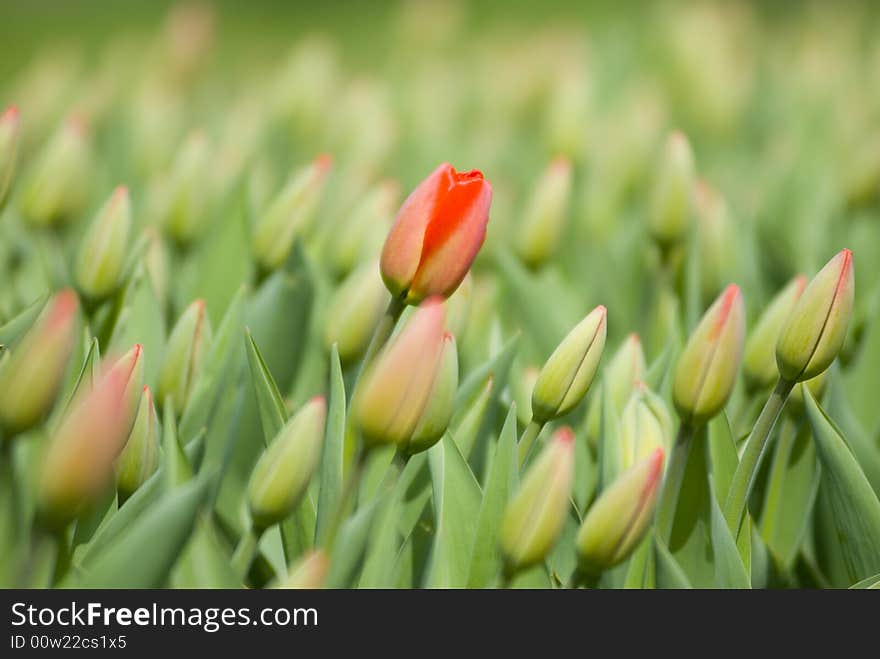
pixel 177 469
pixel 205 562
pixel 724 460
pixel 143 556
pixel 273 415
pixel 456 509
pixel 869 583
pixel 729 569
pixel 333 454
pixel 865 449
pixel 500 484
pixel 348 550
pixel 853 501
pixel 609 456
pixel 15 327
pixel 668 573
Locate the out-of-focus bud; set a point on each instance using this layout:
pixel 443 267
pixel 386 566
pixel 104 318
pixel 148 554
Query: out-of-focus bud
pixel 706 370
pixel 186 209
pixel 189 35
pixel 101 260
pixel 156 262
pixel 645 426
pixel 57 188
pixel 458 306
pixel 364 229
pixel 353 312
pixel 546 215
pixel 535 515
pixel 627 367
pixel 290 213
pixel 32 371
pixel 716 238
pixel 140 457
pixel 568 373
pixel 283 472
pixel 816 327
pixel 670 208
pixel 437 234
pixel 397 387
pixel 441 401
pixel 309 572
pixel 131 366
pixel 184 355
pixel 862 176
pixel 759 358
pixel 9 138
pixel 521 388
pixel 79 462
pixel 615 524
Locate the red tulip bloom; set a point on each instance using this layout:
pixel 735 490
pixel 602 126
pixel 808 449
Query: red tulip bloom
pixel 438 232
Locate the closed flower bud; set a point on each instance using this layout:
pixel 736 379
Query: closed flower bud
pixel 309 572
pixel 131 366
pixel 534 517
pixel 618 519
pixel 289 214
pixel 186 203
pixel 31 372
pixel 83 449
pixel 283 472
pixel 669 213
pixel 568 373
pixel 645 426
pixel 759 358
pixel 441 401
pixel 625 368
pixel 862 175
pixel 397 387
pixel 354 311
pixel 546 215
pixel 9 137
pixel 364 229
pixel 57 188
pixel 716 239
pixel 437 234
pixel 816 327
pixel 102 254
pixel 156 263
pixel 184 355
pixel 140 457
pixel 706 370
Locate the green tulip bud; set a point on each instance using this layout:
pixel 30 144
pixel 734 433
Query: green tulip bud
pixel 625 368
pixel 283 472
pixel 363 230
pixel 101 260
pixel 715 237
pixel 289 214
pixel 816 327
pixel 706 370
pixel 354 311
pixel 185 352
pixel 156 262
pixel 441 401
pixel 131 365
pixel 185 212
pixel 645 426
pixel 862 176
pixel 9 137
pixel 545 215
pixel 534 517
pixel 31 372
pixel 618 519
pixel 568 373
pixel 57 188
pixel 669 214
pixel 309 572
pixel 140 457
pixel 759 358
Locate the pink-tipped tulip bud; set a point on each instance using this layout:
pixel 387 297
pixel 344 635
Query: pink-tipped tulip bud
pixel 534 517
pixel 441 401
pixel 397 387
pixel 624 370
pixel 568 373
pixel 131 365
pixel 437 234
pixel 616 523
pixel 99 267
pixel 816 327
pixel 759 358
pixel 32 371
pixel 140 457
pixel 707 368
pixel 10 130
pixel 309 572
pixel 290 213
pixel 184 358
pixel 645 425
pixel 82 451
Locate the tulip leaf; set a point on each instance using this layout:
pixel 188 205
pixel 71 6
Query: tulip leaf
pixel 865 450
pixel 177 469
pixel 660 371
pixel 333 452
pixel 638 574
pixel 724 460
pixel 18 325
pixel 500 484
pixel 456 509
pixel 497 367
pixel 164 529
pixel 273 415
pixel 730 572
pixel 383 545
pixel 205 561
pixel 668 573
pixel 856 509
pixel 871 583
pixel 347 554
pixel 609 456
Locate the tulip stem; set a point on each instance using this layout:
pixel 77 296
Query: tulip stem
pixel 244 553
pixel 384 329
pixel 756 444
pixel 527 441
pixel 672 483
pixel 63 554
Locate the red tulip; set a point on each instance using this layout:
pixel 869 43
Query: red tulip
pixel 438 232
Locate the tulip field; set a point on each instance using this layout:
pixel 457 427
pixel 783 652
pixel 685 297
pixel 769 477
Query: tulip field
pixel 440 295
